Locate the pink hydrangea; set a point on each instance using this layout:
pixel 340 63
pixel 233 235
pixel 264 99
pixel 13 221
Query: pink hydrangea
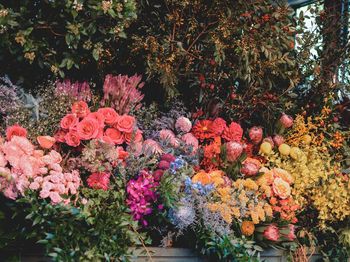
pixel 183 124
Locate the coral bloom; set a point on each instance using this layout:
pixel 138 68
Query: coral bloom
pixel 125 123
pixel 233 133
pixel 46 141
pixel 281 188
pixel 69 121
pixel 80 109
pixel 218 126
pixel 202 177
pixel 15 130
pixel 247 228
pixel 271 233
pixel 99 180
pixel 115 136
pixel 110 115
pixel 72 139
pixel 88 128
pixel 203 129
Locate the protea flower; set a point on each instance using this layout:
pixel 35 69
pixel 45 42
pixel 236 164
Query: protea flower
pixel 233 150
pixel 256 134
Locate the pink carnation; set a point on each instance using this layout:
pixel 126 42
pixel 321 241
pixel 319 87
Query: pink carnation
pixel 183 124
pixel 99 180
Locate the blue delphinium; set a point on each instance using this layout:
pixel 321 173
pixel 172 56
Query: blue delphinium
pixel 177 164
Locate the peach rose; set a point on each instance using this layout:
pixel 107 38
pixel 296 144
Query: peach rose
pixel 46 141
pixel 88 128
pixel 69 121
pixel 80 109
pixel 281 188
pixel 125 123
pixel 15 130
pixel 72 139
pixel 279 172
pixel 110 115
pixel 115 135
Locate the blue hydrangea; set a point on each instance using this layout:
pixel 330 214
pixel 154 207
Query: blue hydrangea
pixel 177 164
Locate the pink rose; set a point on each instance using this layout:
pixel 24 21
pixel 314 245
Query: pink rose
pixel 115 136
pixel 135 137
pixel 286 121
pixel 15 130
pixel 110 115
pixel 256 134
pixel 80 109
pixel 72 139
pixel 233 150
pixel 183 124
pixel 98 117
pixel 69 121
pixel 88 128
pixel 125 123
pixel 271 233
pixel 34 186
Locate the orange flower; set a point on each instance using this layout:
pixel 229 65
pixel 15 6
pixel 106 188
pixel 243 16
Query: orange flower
pixel 202 129
pixel 202 177
pixel 247 228
pixel 281 188
pixel 46 141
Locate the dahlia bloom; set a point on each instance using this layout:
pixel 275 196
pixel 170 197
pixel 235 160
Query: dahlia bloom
pixel 203 129
pixel 183 124
pixel 191 140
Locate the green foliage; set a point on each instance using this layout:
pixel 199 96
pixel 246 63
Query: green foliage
pixel 58 36
pixel 233 51
pixel 101 230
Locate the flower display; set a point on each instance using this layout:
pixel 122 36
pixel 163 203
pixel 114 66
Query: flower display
pixel 99 180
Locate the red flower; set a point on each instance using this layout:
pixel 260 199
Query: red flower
pixel 99 180
pixel 233 133
pixel 203 129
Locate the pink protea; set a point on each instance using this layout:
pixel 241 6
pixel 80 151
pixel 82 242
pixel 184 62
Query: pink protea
pixel 269 140
pixel 291 235
pixel 99 180
pixel 271 233
pixel 183 124
pixel 122 92
pixel 233 151
pixel 256 134
pixel 250 166
pixel 286 120
pixel 278 140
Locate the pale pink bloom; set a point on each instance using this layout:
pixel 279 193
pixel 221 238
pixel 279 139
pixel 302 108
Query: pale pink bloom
pixel 286 121
pixel 84 201
pixel 10 192
pixel 166 135
pixel 233 150
pixel 44 193
pixel 291 235
pixel 47 186
pixel 3 161
pixel 183 124
pixel 34 186
pixel 55 197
